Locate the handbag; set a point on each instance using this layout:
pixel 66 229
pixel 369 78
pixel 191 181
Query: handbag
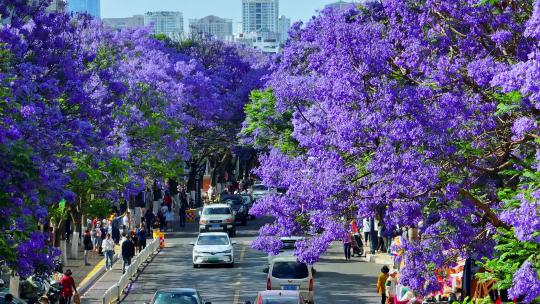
pixel 76 298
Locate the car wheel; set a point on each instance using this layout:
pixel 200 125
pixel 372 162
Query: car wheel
pixel 195 266
pixel 231 265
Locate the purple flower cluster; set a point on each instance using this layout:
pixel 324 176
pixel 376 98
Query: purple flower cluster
pixel 526 283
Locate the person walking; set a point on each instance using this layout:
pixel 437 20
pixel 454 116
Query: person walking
pixel 365 230
pixel 68 286
pixel 108 250
pixel 149 219
pixel 94 236
pixel 391 286
pixel 126 220
pixel 128 251
pixel 347 240
pixel 141 235
pixel 88 246
pixel 182 197
pixel 381 283
pixel 169 218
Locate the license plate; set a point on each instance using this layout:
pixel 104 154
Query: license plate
pixel 215 227
pixel 212 259
pixel 289 287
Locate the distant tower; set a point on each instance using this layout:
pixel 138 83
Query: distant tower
pixel 214 26
pixel 170 24
pixel 284 24
pixel 260 16
pixel 91 7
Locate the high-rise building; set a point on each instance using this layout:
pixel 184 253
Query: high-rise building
pixel 260 15
pixel 91 7
pixel 284 24
pixel 57 6
pixel 214 26
pixel 124 23
pixel 170 24
pixel 340 4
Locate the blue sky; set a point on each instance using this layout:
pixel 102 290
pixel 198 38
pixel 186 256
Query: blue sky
pixel 232 9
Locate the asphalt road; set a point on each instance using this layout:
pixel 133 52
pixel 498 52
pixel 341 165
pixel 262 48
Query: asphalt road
pixel 336 281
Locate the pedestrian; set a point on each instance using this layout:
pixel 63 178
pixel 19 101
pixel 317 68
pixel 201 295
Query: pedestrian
pixel 391 286
pixel 141 235
pixel 182 197
pixel 380 232
pixel 125 219
pixel 156 226
pixel 68 286
pixel 169 218
pixel 156 196
pixel 149 219
pixel 88 246
pixel 128 251
pixel 8 299
pixel 102 234
pixel 381 283
pixel 108 250
pixel 93 236
pixel 365 230
pixel 167 200
pixel 347 240
pixel 135 240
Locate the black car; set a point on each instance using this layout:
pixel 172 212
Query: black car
pixel 236 202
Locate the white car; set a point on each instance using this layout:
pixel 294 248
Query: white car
pixel 260 190
pixel 217 217
pixel 288 247
pixel 287 273
pixel 213 248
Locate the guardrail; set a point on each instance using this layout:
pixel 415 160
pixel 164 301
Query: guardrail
pixel 114 293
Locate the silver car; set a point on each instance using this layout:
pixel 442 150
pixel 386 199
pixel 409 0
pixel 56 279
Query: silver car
pixel 287 273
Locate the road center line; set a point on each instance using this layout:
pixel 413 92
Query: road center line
pixel 236 297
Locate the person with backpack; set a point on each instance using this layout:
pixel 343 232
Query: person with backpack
pixel 128 251
pixel 88 246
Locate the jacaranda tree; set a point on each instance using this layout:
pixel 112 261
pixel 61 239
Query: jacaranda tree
pixel 423 113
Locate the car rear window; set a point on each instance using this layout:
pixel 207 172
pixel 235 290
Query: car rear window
pixel 281 300
pixel 290 270
pixel 260 187
pixel 210 211
pixel 175 298
pixel 288 244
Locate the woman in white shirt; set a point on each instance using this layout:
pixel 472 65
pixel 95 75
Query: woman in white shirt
pixel 108 251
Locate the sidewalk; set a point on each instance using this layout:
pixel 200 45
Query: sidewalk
pixel 82 273
pixel 98 289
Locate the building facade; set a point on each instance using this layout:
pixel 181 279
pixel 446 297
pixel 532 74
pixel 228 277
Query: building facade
pixel 57 6
pixel 213 26
pixel 260 15
pixel 170 24
pixel 124 23
pixel 91 7
pixel 340 4
pixel 284 24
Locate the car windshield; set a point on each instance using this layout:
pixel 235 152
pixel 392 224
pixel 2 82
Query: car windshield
pixel 233 201
pixel 214 211
pixel 175 298
pixel 290 270
pixel 281 300
pixel 213 240
pixel 260 188
pixel 288 244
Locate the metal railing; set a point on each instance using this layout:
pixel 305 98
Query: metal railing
pixel 114 293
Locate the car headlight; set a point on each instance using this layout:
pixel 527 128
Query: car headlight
pixel 227 251
pixel 202 221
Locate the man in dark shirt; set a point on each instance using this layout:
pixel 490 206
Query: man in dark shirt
pixel 128 251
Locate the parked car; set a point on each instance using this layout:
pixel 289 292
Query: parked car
pixel 239 209
pixel 287 273
pixel 248 202
pixel 278 297
pixel 213 248
pixel 217 217
pixel 177 295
